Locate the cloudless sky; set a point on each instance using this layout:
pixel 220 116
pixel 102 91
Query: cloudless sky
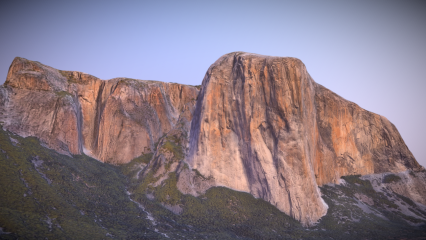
pixel 370 52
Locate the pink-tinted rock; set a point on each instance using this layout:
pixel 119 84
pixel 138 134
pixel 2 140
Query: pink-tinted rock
pixel 260 124
pixel 72 112
pixel 263 126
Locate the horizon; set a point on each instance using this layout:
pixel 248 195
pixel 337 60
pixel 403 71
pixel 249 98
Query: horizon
pixel 370 53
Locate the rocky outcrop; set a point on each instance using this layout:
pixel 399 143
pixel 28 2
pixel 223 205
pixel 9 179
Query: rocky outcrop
pixel 259 124
pixel 73 112
pixel 407 183
pixel 34 102
pixel 124 118
pixel 262 125
pixel 351 140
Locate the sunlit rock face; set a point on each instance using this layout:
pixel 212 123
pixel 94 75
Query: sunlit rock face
pixel 259 124
pixel 74 113
pixel 351 140
pixel 33 103
pixel 262 125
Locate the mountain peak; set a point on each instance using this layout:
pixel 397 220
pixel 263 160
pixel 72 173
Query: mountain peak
pixel 262 125
pixel 259 124
pixel 32 75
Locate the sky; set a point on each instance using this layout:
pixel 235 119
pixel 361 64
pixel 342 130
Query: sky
pixel 370 52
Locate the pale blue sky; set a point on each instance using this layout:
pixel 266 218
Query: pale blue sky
pixel 370 52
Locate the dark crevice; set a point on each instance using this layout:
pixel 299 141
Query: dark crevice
pixel 99 110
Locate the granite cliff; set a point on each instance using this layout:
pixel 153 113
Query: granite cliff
pixel 259 124
pixel 262 125
pixel 113 121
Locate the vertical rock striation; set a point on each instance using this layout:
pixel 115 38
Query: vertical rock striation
pixel 73 112
pixel 259 124
pixel 352 141
pixel 262 125
pixel 33 102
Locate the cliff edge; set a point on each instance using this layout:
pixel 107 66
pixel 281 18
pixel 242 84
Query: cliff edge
pixel 259 124
pixel 262 125
pixel 113 121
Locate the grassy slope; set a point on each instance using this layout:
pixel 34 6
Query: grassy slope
pixel 81 198
pixel 64 197
pixel 345 218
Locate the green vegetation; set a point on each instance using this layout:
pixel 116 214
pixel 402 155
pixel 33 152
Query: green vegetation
pixel 346 218
pixel 130 82
pixel 130 169
pixel 126 81
pixel 364 186
pixel 220 212
pixel 48 195
pixel 69 76
pixel 62 94
pixel 168 153
pixel 168 193
pixel 198 174
pixel 173 148
pixel 159 140
pixel 407 200
pixel 176 150
pixel 391 178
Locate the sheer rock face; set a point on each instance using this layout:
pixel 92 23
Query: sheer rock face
pixel 352 141
pixel 32 104
pixel 262 125
pixel 72 112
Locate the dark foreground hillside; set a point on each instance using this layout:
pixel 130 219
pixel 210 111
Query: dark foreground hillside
pixel 45 195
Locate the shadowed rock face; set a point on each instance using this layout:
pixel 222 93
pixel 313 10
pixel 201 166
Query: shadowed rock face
pixel 259 124
pixel 262 125
pixel 351 140
pixel 72 112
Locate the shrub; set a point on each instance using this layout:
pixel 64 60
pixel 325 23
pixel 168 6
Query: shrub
pixel 391 178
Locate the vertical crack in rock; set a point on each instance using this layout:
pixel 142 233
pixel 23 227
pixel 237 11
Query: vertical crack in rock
pixel 113 121
pixel 98 115
pixel 79 123
pixel 263 126
pixel 260 124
